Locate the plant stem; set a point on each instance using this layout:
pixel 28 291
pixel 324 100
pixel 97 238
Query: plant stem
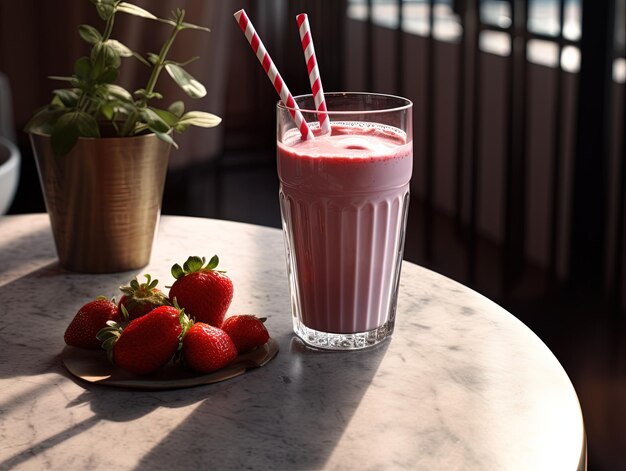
pixel 129 125
pixel 158 67
pixel 108 28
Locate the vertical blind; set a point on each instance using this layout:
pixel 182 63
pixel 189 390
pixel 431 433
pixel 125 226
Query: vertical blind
pixel 579 38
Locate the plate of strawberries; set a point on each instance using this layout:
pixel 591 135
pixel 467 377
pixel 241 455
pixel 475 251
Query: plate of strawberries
pixel 153 340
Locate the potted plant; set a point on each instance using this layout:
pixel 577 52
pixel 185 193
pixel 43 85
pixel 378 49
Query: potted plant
pixel 102 152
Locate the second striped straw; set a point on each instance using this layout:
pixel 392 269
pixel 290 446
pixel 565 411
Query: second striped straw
pixel 272 72
pixel 314 73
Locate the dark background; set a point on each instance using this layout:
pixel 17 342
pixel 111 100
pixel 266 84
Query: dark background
pixel 518 189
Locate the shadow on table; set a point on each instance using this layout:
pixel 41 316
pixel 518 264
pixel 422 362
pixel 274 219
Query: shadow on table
pixel 108 405
pixel 31 335
pixel 289 416
pixel 38 306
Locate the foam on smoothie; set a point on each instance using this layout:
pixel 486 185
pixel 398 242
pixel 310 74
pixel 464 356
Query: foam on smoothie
pixel 343 201
pixel 348 140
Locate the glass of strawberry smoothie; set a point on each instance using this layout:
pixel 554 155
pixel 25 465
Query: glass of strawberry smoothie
pixel 344 199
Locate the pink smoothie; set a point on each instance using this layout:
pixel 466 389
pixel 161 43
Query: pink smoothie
pixel 343 200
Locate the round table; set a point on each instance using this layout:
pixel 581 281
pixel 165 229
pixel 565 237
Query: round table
pixel 461 385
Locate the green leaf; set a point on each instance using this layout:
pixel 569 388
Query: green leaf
pixel 186 323
pixel 104 55
pixel 58 77
pixel 199 118
pixel 69 97
pixel 113 330
pixel 151 284
pixel 125 314
pixel 56 102
pixel 154 121
pixel 181 128
pixel 111 56
pixel 118 92
pixel 167 138
pixel 135 10
pixel 87 125
pixel 108 75
pixel 183 64
pixel 194 264
pixel 105 10
pixel 69 127
pixel 82 68
pixel 213 263
pixel 121 49
pixel 177 108
pixel 169 118
pixel 102 334
pixel 158 127
pixel 168 22
pixel 190 85
pixel 123 107
pixel 177 271
pixel 89 34
pixel 44 120
pixel 109 343
pixel 108 110
pixel 64 136
pixel 192 26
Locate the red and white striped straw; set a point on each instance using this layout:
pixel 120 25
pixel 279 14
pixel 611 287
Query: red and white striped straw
pixel 272 72
pixel 314 73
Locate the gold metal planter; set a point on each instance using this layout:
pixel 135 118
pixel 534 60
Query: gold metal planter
pixel 103 199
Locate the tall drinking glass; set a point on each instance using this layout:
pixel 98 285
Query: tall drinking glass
pixel 344 199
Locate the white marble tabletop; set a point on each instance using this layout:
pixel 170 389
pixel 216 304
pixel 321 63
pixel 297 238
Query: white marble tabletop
pixel 461 385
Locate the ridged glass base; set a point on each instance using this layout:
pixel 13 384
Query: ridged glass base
pixel 330 341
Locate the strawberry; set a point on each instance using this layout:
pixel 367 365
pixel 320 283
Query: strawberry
pixel 207 348
pixel 140 299
pixel 247 331
pixel 89 319
pixel 204 293
pixel 148 342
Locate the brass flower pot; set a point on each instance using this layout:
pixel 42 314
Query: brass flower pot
pixel 103 199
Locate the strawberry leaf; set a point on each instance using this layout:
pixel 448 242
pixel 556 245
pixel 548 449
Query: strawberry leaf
pixel 185 322
pixel 193 264
pixel 177 271
pixel 151 284
pixel 108 336
pixel 125 313
pixel 213 263
pixel 109 343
